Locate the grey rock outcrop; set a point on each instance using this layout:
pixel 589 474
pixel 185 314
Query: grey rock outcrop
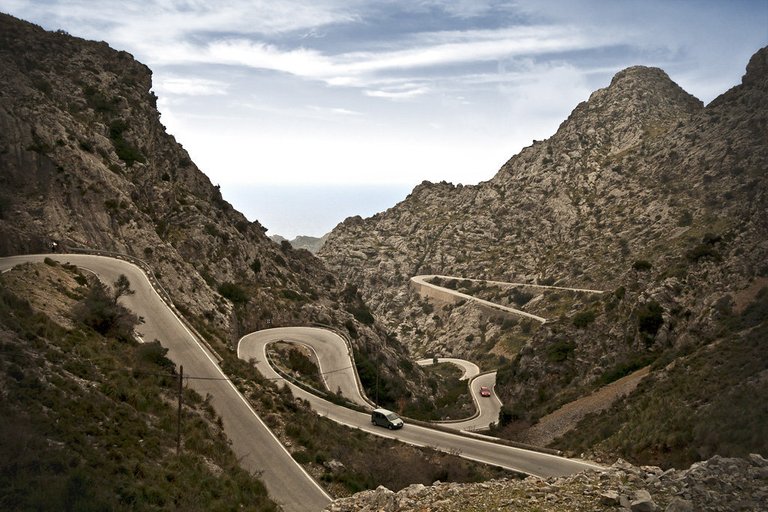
pixel 716 485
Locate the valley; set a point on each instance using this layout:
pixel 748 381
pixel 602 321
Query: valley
pixel 607 284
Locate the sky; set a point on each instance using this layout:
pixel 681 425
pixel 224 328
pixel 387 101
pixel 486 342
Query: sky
pixel 307 111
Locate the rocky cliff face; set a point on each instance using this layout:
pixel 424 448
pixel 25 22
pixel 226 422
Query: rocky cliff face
pixel 86 162
pixel 642 192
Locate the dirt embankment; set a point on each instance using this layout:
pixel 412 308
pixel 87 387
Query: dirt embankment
pixel 557 423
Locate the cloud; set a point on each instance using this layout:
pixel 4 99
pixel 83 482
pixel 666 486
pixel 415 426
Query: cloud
pixel 186 86
pixel 363 68
pixel 404 94
pixel 173 19
pixel 335 110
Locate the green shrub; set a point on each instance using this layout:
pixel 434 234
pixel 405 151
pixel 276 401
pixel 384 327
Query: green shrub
pixel 519 297
pixel 505 416
pixel 583 319
pixel 650 318
pixel 100 311
pixel 233 292
pixel 560 351
pixel 703 251
pixel 625 368
pixel 124 149
pixel 154 354
pixel 642 265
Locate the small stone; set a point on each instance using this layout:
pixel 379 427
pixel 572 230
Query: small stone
pixel 643 502
pixel 679 505
pixel 609 498
pixel 758 460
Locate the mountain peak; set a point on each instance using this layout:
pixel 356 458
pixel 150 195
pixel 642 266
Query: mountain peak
pixel 639 101
pixel 643 73
pixel 757 70
pixel 652 87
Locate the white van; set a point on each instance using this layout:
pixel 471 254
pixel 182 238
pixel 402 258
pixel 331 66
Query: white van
pixel 385 418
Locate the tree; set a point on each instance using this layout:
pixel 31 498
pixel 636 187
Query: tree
pixel 100 311
pixel 122 287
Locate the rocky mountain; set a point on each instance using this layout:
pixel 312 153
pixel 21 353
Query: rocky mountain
pixel 85 162
pixel 643 193
pixel 311 243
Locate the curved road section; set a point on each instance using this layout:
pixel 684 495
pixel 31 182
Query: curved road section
pixel 257 449
pixel 252 347
pixel 331 350
pixel 433 290
pixel 487 408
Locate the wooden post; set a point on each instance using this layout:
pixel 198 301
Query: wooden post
pixel 178 419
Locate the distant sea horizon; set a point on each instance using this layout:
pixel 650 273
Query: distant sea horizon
pixel 310 210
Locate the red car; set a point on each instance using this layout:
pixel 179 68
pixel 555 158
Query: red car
pixel 485 391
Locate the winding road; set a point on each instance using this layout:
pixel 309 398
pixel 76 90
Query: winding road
pixel 488 408
pixel 257 449
pixel 433 290
pixel 255 445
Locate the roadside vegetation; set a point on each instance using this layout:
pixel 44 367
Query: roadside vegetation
pixel 450 398
pixel 296 361
pixel 88 415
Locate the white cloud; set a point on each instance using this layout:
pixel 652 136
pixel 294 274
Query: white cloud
pixel 166 20
pixel 402 92
pixel 187 86
pixel 335 110
pixel 367 68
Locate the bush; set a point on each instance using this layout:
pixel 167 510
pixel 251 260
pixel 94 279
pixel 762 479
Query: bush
pixel 650 318
pixel 560 351
pixel 583 319
pixel 642 265
pixel 520 298
pixel 505 416
pixel 124 149
pixel 101 312
pixel 154 354
pixel 233 292
pixel 702 251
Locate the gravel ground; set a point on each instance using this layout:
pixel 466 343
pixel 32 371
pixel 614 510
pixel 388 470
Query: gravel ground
pixel 717 485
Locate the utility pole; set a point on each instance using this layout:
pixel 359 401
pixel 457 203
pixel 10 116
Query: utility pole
pixel 178 419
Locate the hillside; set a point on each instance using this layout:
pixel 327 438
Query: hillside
pixel 86 162
pixel 644 193
pixel 89 416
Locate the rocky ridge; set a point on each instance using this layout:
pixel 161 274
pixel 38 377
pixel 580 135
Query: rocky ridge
pixel 643 192
pixel 716 485
pixel 311 243
pixel 86 162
